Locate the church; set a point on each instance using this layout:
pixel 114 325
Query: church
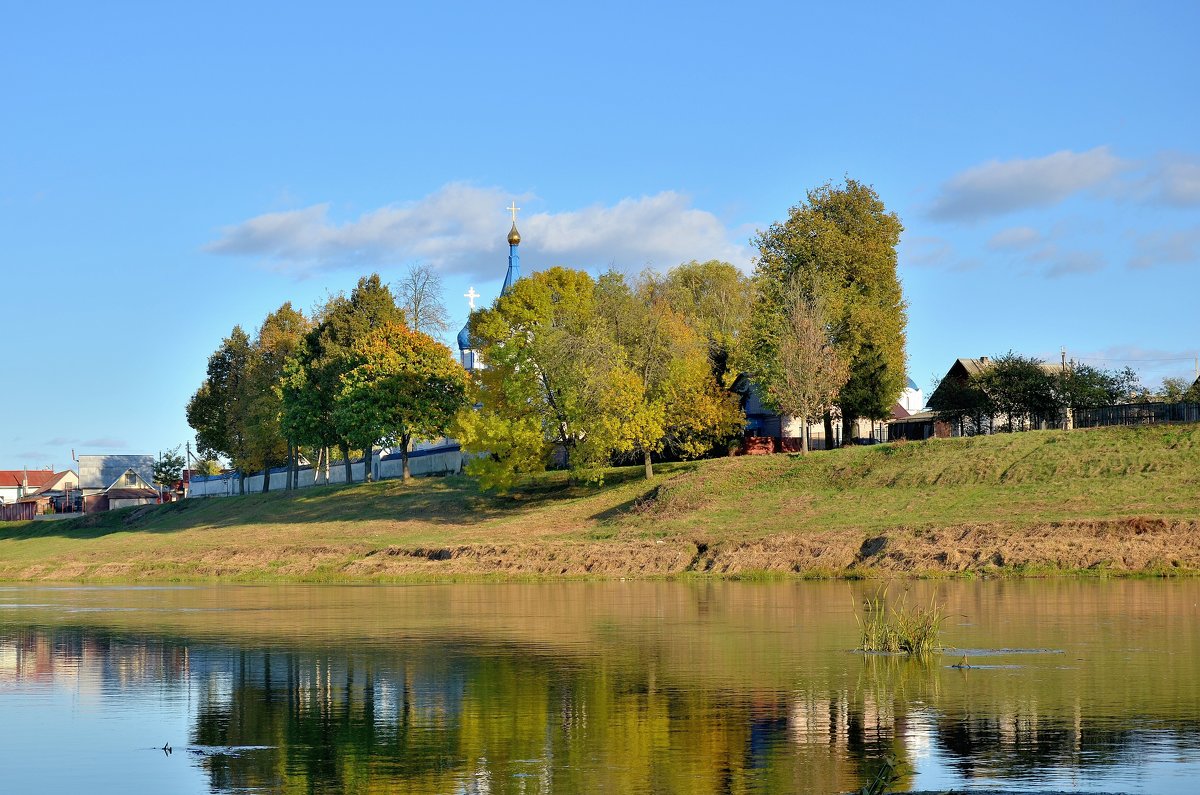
pixel 467 353
pixel 761 422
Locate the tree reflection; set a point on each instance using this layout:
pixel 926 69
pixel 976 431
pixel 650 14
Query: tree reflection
pixel 628 711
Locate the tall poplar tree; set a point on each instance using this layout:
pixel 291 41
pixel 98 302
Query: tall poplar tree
pixel 277 341
pixel 839 247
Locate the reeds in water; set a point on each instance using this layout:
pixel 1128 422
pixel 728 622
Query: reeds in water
pixel 903 629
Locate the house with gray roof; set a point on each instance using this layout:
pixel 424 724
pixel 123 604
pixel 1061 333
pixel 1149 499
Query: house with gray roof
pixel 116 481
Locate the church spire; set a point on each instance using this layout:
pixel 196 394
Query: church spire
pixel 514 259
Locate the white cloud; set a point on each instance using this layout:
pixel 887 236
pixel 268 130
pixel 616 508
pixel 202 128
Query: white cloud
pixel 934 252
pixel 461 228
pixel 1016 237
pixel 996 187
pixel 106 442
pixel 1059 262
pixel 1172 180
pixel 1166 247
pixel 1070 263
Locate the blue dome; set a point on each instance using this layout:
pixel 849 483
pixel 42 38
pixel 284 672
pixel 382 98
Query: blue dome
pixel 464 339
pixel 913 385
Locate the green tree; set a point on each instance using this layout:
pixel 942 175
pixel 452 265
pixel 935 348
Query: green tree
pixel 278 341
pixel 667 392
pixel 549 385
pixel 715 298
pixel 838 246
pixel 963 403
pixel 218 410
pixel 1020 390
pixel 1174 389
pixel 208 467
pixel 404 386
pixel 312 382
pixel 1081 386
pixel 808 373
pixel 168 469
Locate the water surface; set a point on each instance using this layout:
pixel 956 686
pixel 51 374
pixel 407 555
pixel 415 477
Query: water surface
pixel 616 687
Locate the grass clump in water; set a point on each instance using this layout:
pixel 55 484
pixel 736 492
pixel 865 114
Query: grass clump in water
pixel 903 629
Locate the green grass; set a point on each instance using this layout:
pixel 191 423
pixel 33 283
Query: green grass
pixel 1032 477
pixel 899 629
pixel 923 493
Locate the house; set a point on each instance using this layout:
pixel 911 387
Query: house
pixel 18 483
pixel 764 423
pixel 59 495
pixel 957 378
pixel 116 481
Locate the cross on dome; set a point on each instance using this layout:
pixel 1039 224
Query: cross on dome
pixel 513 209
pixel 471 295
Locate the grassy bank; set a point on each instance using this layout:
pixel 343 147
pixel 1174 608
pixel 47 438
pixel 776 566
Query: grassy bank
pixel 1110 500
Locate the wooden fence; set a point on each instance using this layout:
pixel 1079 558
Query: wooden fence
pixel 18 512
pixel 1137 414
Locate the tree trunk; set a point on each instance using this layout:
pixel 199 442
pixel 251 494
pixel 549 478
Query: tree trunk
pixel 367 464
pixel 241 482
pixel 804 435
pixel 287 481
pixel 345 448
pixel 325 458
pixel 829 445
pixel 405 472
pixel 649 464
pixel 848 424
pixel 266 480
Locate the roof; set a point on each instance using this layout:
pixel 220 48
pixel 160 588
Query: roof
pixel 101 471
pixel 10 478
pixel 56 481
pixel 972 367
pixel 913 385
pixel 925 415
pixel 977 366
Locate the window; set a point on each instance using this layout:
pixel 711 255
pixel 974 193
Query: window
pixel 130 478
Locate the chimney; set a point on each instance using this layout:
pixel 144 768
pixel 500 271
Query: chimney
pixel 983 360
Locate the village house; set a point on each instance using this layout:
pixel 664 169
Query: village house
pixel 109 482
pixel 18 483
pixel 923 425
pixel 763 423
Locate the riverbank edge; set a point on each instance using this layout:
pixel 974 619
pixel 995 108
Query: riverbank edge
pixel 1134 547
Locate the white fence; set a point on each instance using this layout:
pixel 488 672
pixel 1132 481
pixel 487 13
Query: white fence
pixel 445 459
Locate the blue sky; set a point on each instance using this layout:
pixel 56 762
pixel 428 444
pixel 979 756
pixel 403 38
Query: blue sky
pixel 166 173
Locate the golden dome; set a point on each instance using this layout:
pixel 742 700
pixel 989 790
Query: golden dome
pixel 514 237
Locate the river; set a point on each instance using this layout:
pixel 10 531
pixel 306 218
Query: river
pixel 621 687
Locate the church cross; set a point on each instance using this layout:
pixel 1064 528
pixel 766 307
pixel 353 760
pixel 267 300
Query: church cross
pixel 471 295
pixel 513 209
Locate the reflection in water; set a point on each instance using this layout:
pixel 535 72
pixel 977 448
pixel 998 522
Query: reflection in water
pixel 655 687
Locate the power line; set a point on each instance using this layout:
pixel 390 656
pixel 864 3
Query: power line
pixel 1126 361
